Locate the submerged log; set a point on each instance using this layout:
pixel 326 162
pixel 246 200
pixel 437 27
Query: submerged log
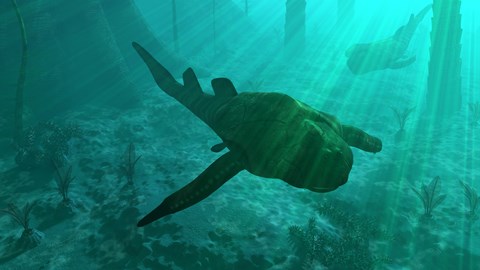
pixel 444 96
pixel 79 53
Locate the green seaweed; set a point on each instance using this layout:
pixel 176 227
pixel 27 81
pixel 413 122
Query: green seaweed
pixel 402 117
pixel 255 86
pixel 428 195
pixel 64 179
pixel 346 246
pixel 474 112
pixel 30 237
pixel 472 197
pixel 127 167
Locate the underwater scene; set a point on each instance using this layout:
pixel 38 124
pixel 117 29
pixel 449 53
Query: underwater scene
pixel 239 134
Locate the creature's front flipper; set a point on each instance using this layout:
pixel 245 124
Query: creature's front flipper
pixel 219 172
pixel 360 139
pixel 218 147
pixel 402 63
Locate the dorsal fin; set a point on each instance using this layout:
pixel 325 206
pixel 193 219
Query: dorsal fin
pixel 190 81
pixel 223 87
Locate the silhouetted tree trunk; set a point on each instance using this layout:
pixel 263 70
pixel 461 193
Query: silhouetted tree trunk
pixel 444 73
pixel 174 26
pixel 295 25
pixel 18 131
pixel 117 14
pixel 79 53
pixel 214 17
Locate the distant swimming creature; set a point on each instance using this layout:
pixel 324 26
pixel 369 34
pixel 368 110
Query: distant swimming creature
pixel 387 53
pixel 270 135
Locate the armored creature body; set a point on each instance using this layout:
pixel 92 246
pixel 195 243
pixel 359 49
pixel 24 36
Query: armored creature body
pixel 270 135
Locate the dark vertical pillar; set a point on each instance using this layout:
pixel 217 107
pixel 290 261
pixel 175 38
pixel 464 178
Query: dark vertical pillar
pixel 137 29
pixel 214 16
pixel 174 26
pixel 444 79
pixel 295 25
pixel 18 131
pixel 246 7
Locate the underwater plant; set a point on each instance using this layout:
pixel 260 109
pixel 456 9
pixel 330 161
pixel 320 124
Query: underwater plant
pixel 30 237
pixel 18 133
pixel 402 117
pixel 127 167
pixel 255 86
pixel 305 241
pixel 64 179
pixel 45 142
pixel 428 196
pixel 475 112
pixel 344 245
pixel 472 197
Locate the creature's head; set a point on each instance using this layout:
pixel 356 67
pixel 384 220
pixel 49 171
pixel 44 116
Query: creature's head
pixel 324 159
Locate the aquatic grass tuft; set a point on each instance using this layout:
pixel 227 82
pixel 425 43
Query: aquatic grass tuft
pixel 22 218
pixel 64 179
pixel 255 86
pixel 402 117
pixel 127 167
pixel 474 112
pixel 30 237
pixel 428 196
pixel 472 197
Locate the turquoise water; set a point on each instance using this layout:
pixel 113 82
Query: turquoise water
pixel 90 144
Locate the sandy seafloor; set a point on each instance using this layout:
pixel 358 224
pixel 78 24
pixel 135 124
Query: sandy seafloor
pixel 244 225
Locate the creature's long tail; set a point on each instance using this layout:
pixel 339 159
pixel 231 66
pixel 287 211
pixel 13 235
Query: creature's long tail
pixel 404 34
pixel 190 94
pixel 416 19
pixel 422 13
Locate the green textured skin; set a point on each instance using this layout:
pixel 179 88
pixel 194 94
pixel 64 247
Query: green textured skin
pixel 283 138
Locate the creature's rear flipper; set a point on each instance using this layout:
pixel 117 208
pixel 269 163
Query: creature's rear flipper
pixel 219 172
pixel 402 63
pixel 360 139
pixel 162 76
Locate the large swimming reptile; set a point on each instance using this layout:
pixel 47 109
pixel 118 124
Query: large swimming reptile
pixel 270 135
pixel 386 53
